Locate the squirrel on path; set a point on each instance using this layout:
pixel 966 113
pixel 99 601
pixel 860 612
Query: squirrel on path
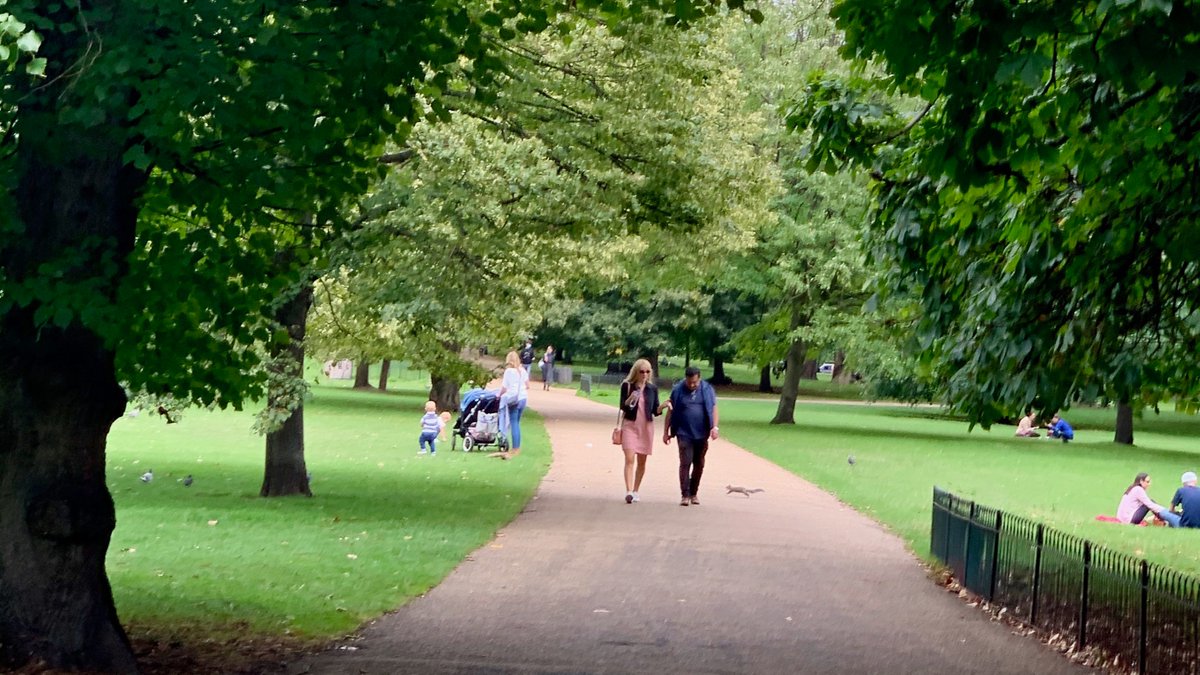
pixel 730 489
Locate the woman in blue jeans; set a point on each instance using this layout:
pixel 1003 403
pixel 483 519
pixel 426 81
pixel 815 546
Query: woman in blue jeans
pixel 514 394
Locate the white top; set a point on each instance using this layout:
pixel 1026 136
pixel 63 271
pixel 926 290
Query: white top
pixel 514 384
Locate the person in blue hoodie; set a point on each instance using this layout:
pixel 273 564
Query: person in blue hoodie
pixel 1060 429
pixel 691 418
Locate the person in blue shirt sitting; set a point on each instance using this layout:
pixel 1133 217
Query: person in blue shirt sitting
pixel 1060 429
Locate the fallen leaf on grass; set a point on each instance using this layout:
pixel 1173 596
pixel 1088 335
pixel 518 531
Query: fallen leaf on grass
pixel 212 522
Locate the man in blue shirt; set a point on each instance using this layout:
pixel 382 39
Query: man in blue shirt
pixel 1060 429
pixel 692 418
pixel 1188 497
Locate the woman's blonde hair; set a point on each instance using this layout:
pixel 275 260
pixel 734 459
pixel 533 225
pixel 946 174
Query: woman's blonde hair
pixel 638 367
pixel 512 360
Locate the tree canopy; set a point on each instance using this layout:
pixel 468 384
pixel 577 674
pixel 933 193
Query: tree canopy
pixel 567 176
pixel 155 158
pixel 1034 191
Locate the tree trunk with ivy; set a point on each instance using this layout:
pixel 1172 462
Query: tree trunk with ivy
pixel 285 472
pixel 60 396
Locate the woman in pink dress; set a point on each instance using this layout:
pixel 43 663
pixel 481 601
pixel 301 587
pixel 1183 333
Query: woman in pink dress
pixel 639 406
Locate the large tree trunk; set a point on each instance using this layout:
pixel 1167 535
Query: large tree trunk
pixel 652 357
pixel 840 374
pixel 719 377
pixel 785 413
pixel 285 472
pixel 1124 432
pixel 59 398
pixel 59 395
pixel 384 370
pixel 362 374
pixel 444 392
pixel 764 379
pixel 808 371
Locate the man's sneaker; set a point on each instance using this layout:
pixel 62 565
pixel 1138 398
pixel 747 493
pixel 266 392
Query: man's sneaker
pixel 628 497
pixel 695 501
pixel 636 499
pixel 423 451
pixel 685 501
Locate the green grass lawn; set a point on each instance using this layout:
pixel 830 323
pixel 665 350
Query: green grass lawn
pixel 902 452
pixel 215 561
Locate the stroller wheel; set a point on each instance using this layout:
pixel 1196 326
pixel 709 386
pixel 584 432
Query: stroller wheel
pixel 468 443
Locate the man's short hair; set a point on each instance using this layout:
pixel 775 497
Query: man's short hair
pixel 691 371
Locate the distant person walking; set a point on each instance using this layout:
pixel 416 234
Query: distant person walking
pixel 514 395
pixel 692 418
pixel 527 356
pixel 639 406
pixel 547 365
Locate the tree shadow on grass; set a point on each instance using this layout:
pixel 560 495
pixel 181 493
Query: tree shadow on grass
pixel 944 439
pixel 356 401
pixel 848 431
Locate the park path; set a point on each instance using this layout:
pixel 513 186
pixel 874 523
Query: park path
pixel 788 581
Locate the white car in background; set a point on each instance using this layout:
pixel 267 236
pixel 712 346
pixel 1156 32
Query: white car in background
pixel 825 368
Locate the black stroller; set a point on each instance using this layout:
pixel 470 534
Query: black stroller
pixel 479 421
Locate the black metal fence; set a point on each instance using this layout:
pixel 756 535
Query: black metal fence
pixel 1146 615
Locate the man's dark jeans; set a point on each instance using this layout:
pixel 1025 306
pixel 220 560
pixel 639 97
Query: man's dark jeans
pixel 691 461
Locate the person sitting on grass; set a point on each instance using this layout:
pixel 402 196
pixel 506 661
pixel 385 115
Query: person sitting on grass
pixel 1059 428
pixel 1135 504
pixel 1187 497
pixel 1027 427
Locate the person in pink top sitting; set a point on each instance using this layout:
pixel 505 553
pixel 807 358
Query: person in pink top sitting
pixel 1135 504
pixel 1027 427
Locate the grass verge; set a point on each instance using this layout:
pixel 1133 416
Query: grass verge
pixel 902 452
pixel 216 563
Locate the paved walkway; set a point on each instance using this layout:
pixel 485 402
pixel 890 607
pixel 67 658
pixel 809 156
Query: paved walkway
pixel 788 581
